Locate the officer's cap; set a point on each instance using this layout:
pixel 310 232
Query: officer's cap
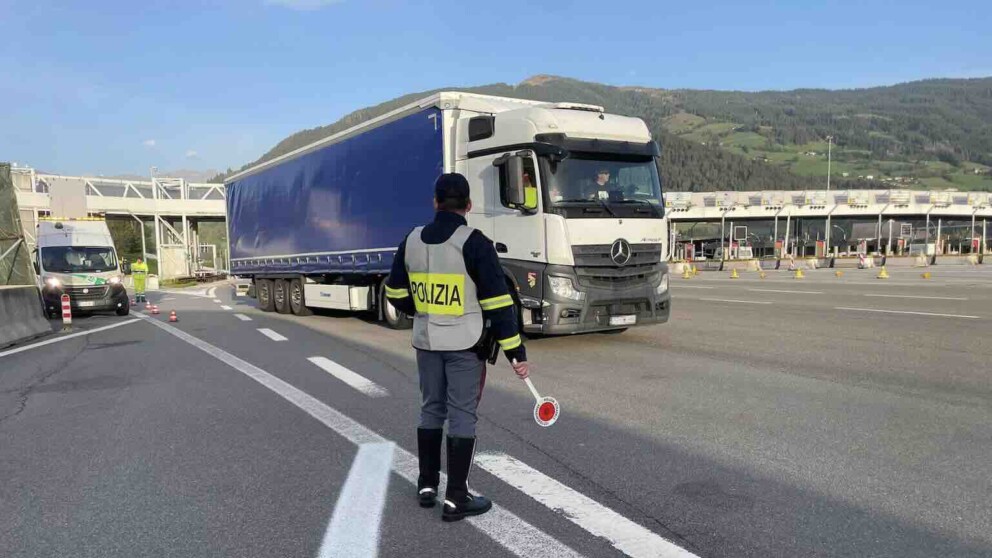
pixel 451 186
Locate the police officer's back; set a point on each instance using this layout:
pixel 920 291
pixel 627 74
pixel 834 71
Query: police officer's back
pixel 448 276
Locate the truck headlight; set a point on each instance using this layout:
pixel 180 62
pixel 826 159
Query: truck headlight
pixel 563 287
pixel 53 282
pixel 663 286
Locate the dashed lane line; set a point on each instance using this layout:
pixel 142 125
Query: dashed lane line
pixel 357 381
pixel 217 300
pixel 65 338
pixel 501 525
pixel 735 300
pixel 691 287
pixel 225 307
pixel 785 291
pixel 625 535
pixel 354 529
pixel 932 314
pixel 243 317
pixel 914 296
pixel 271 334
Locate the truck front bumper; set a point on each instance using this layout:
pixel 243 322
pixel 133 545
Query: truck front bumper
pixel 602 309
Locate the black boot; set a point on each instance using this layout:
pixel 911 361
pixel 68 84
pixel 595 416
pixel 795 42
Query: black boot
pixel 429 450
pixel 458 502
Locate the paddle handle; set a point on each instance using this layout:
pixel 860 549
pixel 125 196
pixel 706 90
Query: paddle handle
pixel 533 390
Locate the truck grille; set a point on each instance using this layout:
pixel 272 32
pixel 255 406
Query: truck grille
pixel 596 269
pixel 95 292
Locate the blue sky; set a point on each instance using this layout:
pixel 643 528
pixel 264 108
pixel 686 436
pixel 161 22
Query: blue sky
pixel 112 87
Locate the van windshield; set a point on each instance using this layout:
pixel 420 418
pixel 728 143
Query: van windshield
pixel 78 259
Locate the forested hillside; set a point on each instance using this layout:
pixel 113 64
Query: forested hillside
pixel 926 134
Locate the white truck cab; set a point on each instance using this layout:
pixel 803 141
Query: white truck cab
pixel 77 257
pixel 572 199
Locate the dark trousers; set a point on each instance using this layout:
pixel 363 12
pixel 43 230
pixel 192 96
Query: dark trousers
pixel 451 385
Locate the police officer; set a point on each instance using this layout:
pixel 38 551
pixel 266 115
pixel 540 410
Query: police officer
pixel 448 276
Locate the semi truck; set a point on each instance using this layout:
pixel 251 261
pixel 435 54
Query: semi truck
pixel 77 257
pixel 569 195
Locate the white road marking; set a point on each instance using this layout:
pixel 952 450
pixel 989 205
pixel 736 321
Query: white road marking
pixel 908 312
pixel 65 338
pixel 211 292
pixel 503 526
pixel 217 300
pixel 625 535
pixel 690 287
pixel 225 307
pixel 734 300
pixel 242 317
pixel 920 297
pixel 271 334
pixel 357 381
pixel 168 298
pixel 354 529
pixel 784 291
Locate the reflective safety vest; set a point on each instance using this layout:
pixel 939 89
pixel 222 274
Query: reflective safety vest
pixel 139 267
pixel 449 316
pixel 530 197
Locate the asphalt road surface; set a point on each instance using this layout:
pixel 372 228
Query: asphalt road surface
pixel 776 417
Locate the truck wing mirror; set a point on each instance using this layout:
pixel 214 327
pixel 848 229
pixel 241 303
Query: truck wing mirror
pixel 511 184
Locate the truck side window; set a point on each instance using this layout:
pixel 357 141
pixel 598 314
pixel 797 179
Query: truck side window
pixel 529 179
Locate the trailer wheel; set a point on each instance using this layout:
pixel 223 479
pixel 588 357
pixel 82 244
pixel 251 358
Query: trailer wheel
pixel 297 300
pixel 280 296
pixel 393 318
pixel 263 288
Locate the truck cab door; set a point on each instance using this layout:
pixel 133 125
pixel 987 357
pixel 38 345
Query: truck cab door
pixel 519 231
pixel 484 183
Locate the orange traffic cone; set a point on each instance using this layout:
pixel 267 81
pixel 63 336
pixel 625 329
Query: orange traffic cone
pixel 173 317
pixel 839 273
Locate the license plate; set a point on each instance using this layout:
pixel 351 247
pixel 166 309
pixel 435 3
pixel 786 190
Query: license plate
pixel 85 303
pixel 623 320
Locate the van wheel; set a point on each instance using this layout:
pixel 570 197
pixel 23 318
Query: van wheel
pixel 393 318
pixel 263 288
pixel 280 296
pixel 125 308
pixel 297 300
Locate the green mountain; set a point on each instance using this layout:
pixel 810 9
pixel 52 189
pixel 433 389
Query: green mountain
pixel 925 134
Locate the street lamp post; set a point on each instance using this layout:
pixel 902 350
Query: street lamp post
pixel 830 140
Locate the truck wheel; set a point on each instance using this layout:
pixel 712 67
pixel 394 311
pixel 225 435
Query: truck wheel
pixel 297 300
pixel 393 318
pixel 280 296
pixel 263 288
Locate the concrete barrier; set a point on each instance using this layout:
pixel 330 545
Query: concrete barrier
pixel 21 315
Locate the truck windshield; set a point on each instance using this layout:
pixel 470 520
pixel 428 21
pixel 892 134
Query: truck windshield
pixel 78 259
pixel 613 184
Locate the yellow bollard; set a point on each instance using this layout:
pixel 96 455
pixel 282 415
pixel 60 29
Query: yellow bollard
pixel 762 274
pixel 799 274
pixel 883 274
pixel 925 275
pixel 838 273
pixel 695 270
pixel 734 274
pixel 686 274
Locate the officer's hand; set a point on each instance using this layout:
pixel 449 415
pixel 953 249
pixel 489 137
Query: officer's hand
pixel 521 368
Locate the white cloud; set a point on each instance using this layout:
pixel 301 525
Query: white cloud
pixel 192 154
pixel 148 143
pixel 303 5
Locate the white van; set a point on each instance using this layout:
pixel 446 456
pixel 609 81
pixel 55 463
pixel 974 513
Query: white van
pixel 77 257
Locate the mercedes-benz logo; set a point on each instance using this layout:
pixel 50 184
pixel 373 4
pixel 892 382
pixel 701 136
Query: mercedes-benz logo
pixel 620 252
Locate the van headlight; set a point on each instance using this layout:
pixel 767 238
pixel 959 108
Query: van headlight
pixel 663 286
pixel 53 282
pixel 563 287
pixel 114 280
